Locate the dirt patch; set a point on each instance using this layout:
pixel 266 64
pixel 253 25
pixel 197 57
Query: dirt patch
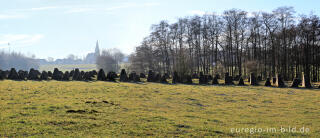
pixel 191 99
pixel 82 111
pixel 103 102
pixel 111 103
pixel 93 111
pixel 266 101
pixel 76 111
pixel 182 126
pixel 90 102
pixel 199 104
pixel 218 132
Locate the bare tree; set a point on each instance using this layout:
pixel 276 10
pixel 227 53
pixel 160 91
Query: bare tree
pixel 109 60
pixel 233 41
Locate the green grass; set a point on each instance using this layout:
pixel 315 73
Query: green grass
pixel 92 109
pixel 68 67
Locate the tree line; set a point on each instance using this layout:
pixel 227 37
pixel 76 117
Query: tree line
pixel 237 42
pixel 17 60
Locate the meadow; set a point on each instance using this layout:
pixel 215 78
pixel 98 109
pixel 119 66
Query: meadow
pixel 109 109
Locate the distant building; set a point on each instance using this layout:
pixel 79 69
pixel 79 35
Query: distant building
pixel 91 57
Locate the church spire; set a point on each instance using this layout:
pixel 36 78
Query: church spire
pixel 97 50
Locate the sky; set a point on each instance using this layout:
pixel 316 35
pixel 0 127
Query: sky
pixel 57 28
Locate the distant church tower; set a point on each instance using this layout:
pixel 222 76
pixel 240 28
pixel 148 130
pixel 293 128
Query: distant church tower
pixel 97 50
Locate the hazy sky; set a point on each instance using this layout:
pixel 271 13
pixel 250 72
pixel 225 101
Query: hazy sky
pixel 56 28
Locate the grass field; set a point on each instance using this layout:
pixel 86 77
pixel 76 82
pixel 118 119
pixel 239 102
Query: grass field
pixel 92 109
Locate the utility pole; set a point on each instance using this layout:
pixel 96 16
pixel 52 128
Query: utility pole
pixel 9 47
